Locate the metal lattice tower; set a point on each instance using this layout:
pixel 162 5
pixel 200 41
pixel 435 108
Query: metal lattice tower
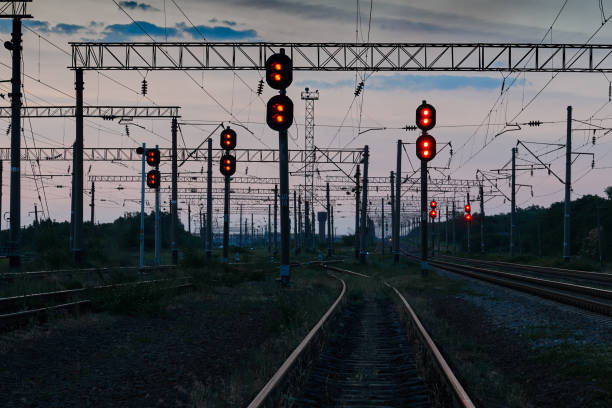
pixel 309 146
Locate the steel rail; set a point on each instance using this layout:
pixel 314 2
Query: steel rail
pixel 458 389
pixel 282 372
pixel 36 274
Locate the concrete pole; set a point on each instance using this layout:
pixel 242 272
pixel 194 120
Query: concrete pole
pixel 174 200
pixel 398 193
pixel 513 202
pixel 364 206
pixel 77 164
pixel 209 209
pixel 357 205
pixel 568 187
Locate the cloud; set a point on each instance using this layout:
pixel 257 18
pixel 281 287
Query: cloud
pixel 120 32
pixel 133 5
pixel 217 32
pixel 413 83
pixel 44 27
pixel 213 20
pixel 229 23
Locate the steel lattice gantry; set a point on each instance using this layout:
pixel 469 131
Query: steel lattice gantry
pixel 337 156
pixel 105 112
pixel 523 57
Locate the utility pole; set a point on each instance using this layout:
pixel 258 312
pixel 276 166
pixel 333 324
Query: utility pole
pixel 174 201
pixel 364 205
pixel 568 187
pixel 269 228
pixel 513 202
pixel 301 231
pixel 482 220
pixel 306 222
pixel 394 238
pixel 209 209
pixel 398 193
pixel 240 237
pixel 446 228
pixel 189 218
pixel 329 228
pixel 93 200
pixel 275 221
pixel 454 230
pixel 77 168
pixel 142 202
pixel 357 204
pixel 382 226
pixel 469 230
pixel 295 223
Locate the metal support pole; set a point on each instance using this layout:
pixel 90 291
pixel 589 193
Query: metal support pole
pixel 269 228
pixel 424 265
pixel 469 230
pixel 568 187
pixel 329 228
pixel 283 150
pixel 433 233
pixel 15 210
pixel 382 226
pixel 77 164
pixel 513 202
pixel 142 202
pixel 394 235
pixel 446 228
pixel 295 223
pixel 301 231
pixel 157 256
pixel 398 193
pixel 306 221
pixel 189 218
pixel 252 229
pixel 174 201
pixel 240 237
pixel 454 222
pixel 357 205
pixel 93 202
pixel 333 230
pixel 226 220
pixel 209 209
pixel 599 238
pixel 364 206
pixel 275 221
pixel 482 220
pixel 1 181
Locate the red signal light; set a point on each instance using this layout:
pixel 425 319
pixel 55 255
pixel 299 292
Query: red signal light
pixel 433 204
pixel 279 112
pixel 433 213
pixel 468 208
pixel 425 147
pixel 228 139
pixel 468 217
pixel 228 165
pixel 279 70
pixel 153 179
pixel 152 157
pixel 425 116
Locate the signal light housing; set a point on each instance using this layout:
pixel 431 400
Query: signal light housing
pixel 433 204
pixel 468 217
pixel 279 70
pixel 153 157
pixel 228 139
pixel 426 147
pixel 468 208
pixel 227 165
pixel 425 116
pixel 279 112
pixel 433 213
pixel 153 179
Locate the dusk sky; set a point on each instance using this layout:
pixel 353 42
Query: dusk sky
pixel 463 100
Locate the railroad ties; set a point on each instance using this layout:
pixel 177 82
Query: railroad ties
pixel 368 363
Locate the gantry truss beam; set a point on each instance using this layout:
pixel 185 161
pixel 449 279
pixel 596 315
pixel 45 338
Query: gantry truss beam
pixel 335 156
pixel 411 180
pixel 14 9
pixel 185 179
pixel 497 57
pixel 106 112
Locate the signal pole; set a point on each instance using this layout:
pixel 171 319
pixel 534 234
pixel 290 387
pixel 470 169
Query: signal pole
pixel 209 235
pixel 275 221
pixel 295 223
pixel 382 226
pixel 568 187
pixel 156 259
pixel 300 230
pixel 424 265
pixel 394 242
pixel 469 230
pixel 283 147
pixel 454 230
pixel 329 227
pixel 513 202
pixel 93 200
pixel 174 201
pixel 226 218
pixel 364 205
pixel 482 220
pixel 142 202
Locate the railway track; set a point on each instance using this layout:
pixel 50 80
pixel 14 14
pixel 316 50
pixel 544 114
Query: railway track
pixel 18 311
pixel 369 361
pixel 585 297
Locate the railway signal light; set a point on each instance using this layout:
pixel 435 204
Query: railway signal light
pixel 425 116
pixel 468 217
pixel 153 179
pixel 468 208
pixel 426 147
pixel 433 213
pixel 279 112
pixel 153 157
pixel 228 165
pixel 228 139
pixel 279 70
pixel 433 204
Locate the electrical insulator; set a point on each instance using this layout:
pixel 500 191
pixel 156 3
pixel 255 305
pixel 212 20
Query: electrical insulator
pixel 532 170
pixel 594 139
pixel 593 164
pixel 127 130
pixel 260 87
pixel 534 123
pixel 144 87
pixel 411 127
pixel 359 88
